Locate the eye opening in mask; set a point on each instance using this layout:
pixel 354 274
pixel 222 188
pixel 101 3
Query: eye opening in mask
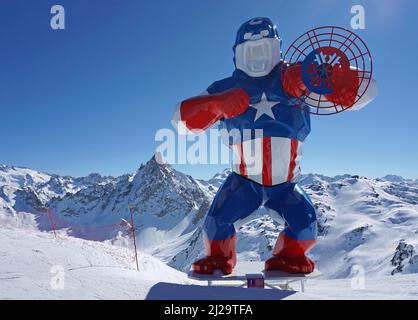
pixel 264 33
pixel 247 36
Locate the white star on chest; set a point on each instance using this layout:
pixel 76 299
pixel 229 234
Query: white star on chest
pixel 264 107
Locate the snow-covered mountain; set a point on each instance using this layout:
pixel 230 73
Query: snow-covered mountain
pixel 367 222
pixel 371 223
pixel 168 204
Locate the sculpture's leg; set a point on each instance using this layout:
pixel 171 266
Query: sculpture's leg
pixel 237 198
pixel 299 236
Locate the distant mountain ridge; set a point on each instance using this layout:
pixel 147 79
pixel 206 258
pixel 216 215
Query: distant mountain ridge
pixel 360 221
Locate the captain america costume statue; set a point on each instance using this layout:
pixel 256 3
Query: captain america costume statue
pixel 265 133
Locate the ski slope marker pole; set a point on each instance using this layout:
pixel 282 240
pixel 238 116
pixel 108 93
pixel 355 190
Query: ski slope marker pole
pixel 51 222
pixel 131 210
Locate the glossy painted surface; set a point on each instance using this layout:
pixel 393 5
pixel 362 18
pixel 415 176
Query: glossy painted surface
pixel 245 105
pixel 238 197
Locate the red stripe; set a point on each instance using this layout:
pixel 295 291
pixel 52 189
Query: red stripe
pixel 242 165
pixel 267 178
pixel 293 154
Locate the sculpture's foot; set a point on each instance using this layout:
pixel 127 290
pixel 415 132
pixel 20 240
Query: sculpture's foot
pixel 209 264
pixel 300 264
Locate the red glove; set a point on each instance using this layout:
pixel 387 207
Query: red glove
pixel 292 81
pixel 345 84
pixel 203 111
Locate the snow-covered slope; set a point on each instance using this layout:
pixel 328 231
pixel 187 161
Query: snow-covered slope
pixel 34 265
pixel 362 223
pixel 366 222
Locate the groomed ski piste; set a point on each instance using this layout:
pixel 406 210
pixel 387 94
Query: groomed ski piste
pixel 36 265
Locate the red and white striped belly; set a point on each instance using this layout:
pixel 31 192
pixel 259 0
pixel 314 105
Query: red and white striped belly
pixel 269 160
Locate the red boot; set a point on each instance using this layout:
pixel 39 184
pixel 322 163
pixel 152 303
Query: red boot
pixel 289 255
pixel 220 254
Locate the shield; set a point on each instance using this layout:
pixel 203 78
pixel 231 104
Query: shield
pixel 336 68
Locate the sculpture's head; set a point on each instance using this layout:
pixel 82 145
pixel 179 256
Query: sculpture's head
pixel 257 47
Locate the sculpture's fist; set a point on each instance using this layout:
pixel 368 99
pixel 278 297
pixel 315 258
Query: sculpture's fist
pixel 232 103
pixel 345 85
pixel 292 81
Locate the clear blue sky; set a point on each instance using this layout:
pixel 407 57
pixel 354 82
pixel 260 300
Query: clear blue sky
pixel 90 98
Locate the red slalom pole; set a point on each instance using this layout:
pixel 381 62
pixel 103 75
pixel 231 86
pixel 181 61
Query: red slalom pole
pixel 51 221
pixel 131 210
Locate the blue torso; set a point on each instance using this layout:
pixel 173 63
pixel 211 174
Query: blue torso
pixel 290 121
